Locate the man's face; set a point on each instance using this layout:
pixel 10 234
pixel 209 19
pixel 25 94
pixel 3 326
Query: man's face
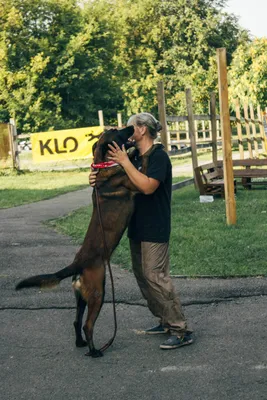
pixel 139 132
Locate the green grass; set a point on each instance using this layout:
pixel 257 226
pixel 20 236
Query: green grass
pixel 186 158
pixel 17 188
pixel 201 242
pixel 26 162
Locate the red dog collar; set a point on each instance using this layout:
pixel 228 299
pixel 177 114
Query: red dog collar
pixel 106 164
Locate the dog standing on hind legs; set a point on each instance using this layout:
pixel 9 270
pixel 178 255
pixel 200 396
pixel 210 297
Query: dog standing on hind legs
pixel 116 200
pixel 89 289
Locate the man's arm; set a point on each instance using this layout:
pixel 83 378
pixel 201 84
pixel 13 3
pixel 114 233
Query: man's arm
pixel 143 183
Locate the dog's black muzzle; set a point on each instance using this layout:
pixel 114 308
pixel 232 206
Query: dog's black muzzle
pixel 123 137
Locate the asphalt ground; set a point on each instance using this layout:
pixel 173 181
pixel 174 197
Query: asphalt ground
pixel 228 359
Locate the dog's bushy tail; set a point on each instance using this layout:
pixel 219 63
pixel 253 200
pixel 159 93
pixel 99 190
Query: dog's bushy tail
pixel 41 281
pixel 50 280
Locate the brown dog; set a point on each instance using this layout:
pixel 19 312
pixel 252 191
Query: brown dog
pixel 116 194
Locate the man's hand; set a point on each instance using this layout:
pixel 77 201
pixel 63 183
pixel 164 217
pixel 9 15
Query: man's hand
pixel 142 182
pixel 92 178
pixel 117 155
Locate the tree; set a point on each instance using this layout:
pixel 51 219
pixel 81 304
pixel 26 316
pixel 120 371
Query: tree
pixel 33 35
pixel 248 73
pixel 55 62
pixel 62 60
pixel 174 41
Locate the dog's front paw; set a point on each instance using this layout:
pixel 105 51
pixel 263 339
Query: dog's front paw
pixel 80 343
pixel 94 353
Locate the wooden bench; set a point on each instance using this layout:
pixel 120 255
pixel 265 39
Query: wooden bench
pixel 251 171
pixel 209 180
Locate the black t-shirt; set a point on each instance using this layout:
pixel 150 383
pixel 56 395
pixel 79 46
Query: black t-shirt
pixel 151 220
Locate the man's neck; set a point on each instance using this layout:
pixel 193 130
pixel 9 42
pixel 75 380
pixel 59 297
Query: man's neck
pixel 144 145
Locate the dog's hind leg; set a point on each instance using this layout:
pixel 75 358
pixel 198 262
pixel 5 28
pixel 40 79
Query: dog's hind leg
pixel 93 289
pixel 94 306
pixel 80 307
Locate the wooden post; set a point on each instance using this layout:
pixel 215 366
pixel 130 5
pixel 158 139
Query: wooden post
pixel 210 129
pixel 162 116
pixel 196 130
pixel 239 129
pixel 226 134
pixel 119 120
pixel 101 118
pixel 187 130
pixel 219 134
pixel 203 129
pixel 254 133
pixel 260 119
pixel 192 134
pixel 11 145
pixel 213 127
pixel 248 130
pixel 177 128
pixel 14 144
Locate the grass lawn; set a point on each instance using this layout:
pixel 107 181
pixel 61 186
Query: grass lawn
pixel 186 158
pixel 26 162
pixel 17 188
pixel 201 242
pixel 27 187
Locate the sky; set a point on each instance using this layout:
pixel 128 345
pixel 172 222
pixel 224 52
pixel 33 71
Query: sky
pixel 252 13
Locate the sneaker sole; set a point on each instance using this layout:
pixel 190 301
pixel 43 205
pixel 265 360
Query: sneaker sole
pixel 137 332
pixel 157 333
pixel 169 347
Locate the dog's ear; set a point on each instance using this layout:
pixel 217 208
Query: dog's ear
pixel 119 136
pixel 105 148
pixel 93 148
pixel 124 135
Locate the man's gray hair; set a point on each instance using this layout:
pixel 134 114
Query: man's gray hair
pixel 148 120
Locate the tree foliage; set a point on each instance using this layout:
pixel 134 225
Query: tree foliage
pixel 248 73
pixel 62 60
pixel 55 65
pixel 175 41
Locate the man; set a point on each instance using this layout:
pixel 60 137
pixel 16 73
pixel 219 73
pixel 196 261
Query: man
pixel 149 228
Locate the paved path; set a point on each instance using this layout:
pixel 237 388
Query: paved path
pixel 39 361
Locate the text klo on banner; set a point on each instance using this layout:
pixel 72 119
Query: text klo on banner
pixel 64 145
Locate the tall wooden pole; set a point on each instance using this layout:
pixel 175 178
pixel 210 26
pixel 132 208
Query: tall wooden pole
pixel 253 127
pixel 248 130
pixel 119 120
pixel 192 132
pixel 11 145
pixel 260 119
pixel 239 129
pixel 213 127
pixel 162 116
pixel 14 143
pixel 101 118
pixel 226 134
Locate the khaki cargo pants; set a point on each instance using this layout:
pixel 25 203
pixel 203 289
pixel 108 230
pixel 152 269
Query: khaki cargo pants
pixel 150 262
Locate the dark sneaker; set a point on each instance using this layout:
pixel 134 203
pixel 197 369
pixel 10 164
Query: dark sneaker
pixel 174 342
pixel 157 330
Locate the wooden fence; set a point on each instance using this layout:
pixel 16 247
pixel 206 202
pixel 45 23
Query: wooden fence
pixel 247 129
pixel 9 154
pixel 183 133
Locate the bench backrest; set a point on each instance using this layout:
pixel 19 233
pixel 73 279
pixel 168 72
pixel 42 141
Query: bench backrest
pixel 249 162
pixel 207 173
